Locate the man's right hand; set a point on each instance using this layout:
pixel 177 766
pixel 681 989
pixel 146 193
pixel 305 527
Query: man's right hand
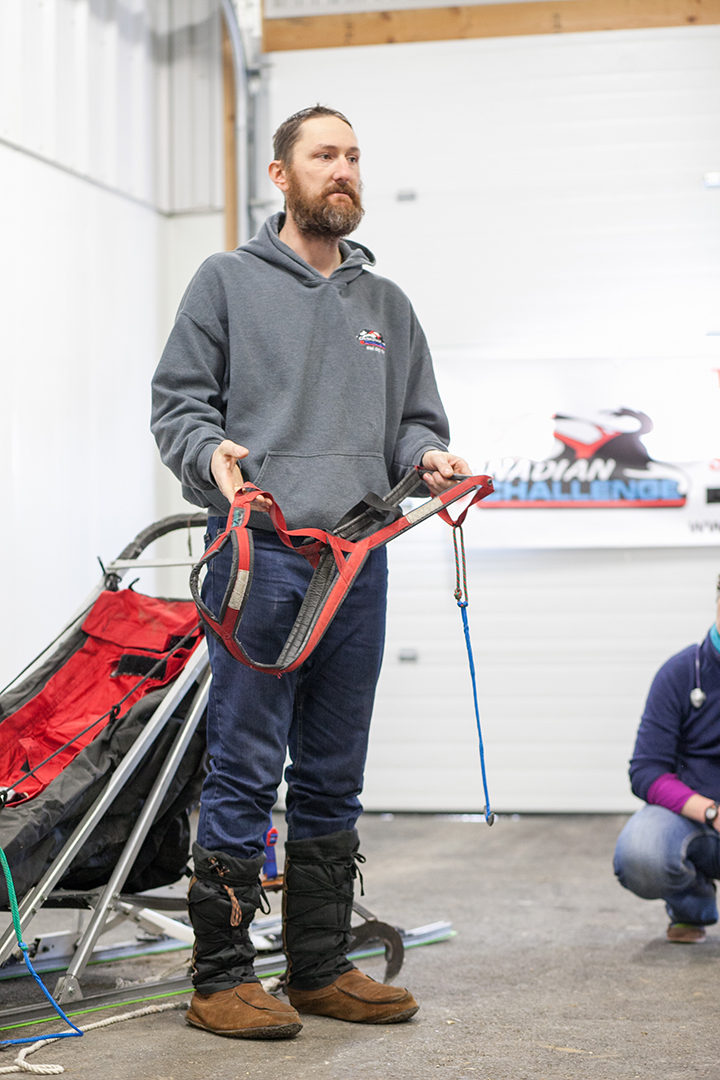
pixel 227 475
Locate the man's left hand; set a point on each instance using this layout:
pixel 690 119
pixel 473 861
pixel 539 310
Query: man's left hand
pixel 443 465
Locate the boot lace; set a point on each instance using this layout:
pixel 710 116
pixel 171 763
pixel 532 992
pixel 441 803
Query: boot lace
pixel 326 892
pixel 235 910
pixel 355 870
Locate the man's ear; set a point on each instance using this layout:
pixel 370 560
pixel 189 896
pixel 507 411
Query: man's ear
pixel 277 173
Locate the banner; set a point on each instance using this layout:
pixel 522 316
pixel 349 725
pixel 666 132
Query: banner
pixel 589 453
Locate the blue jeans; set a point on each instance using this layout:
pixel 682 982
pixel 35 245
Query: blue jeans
pixel 662 855
pixel 320 712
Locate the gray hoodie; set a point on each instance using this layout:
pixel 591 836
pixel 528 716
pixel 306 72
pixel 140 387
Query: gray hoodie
pixel 327 381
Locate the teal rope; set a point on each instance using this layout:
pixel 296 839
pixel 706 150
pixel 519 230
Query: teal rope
pixel 461 596
pixel 25 949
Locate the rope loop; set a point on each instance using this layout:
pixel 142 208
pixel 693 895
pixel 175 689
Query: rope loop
pixel 20 1065
pixel 264 902
pixel 461 595
pixel 15 912
pixel 354 867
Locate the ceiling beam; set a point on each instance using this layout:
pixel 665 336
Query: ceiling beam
pixel 483 20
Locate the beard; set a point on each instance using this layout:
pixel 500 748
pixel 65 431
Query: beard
pixel 316 216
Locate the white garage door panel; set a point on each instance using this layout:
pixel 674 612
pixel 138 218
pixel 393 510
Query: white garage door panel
pixel 585 790
pixel 459 790
pixel 504 755
pixel 528 678
pixel 455 728
pixel 543 755
pixel 566 645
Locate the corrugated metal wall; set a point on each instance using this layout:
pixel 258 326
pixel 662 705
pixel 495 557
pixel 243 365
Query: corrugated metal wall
pixel 187 50
pixel 128 94
pixel 110 196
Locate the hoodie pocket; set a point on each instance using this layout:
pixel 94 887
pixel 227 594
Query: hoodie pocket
pixel 315 490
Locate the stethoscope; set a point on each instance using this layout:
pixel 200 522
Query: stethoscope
pixel 698 696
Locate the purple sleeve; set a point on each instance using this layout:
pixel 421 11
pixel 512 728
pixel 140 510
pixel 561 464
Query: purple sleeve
pixel 670 792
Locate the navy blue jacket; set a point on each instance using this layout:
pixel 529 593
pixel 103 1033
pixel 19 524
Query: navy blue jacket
pixel 673 736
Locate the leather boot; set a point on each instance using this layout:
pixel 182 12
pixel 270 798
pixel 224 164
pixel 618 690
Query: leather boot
pixel 317 908
pixel 223 897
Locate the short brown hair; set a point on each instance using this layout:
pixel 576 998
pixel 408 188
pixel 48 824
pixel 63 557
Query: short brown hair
pixel 288 133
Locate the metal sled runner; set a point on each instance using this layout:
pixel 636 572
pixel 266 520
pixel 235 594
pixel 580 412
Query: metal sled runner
pixel 113 809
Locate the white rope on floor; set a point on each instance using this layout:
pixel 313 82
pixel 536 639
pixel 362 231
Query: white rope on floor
pixel 20 1065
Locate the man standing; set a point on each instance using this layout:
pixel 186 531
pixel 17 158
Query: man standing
pixel 670 849
pixel 289 356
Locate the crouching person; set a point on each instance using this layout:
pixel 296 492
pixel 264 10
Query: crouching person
pixel 670 849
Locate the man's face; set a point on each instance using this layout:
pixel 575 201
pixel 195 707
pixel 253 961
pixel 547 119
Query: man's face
pixel 322 182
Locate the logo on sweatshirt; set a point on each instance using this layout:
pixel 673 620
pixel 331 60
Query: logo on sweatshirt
pixel 372 339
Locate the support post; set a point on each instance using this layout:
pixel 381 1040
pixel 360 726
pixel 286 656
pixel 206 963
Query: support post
pixel 230 147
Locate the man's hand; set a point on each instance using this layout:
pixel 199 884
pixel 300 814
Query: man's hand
pixel 443 465
pixel 228 477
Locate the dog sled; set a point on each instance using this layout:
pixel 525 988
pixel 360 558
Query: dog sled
pixel 101 762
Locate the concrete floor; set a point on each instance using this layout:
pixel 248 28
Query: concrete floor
pixel 556 973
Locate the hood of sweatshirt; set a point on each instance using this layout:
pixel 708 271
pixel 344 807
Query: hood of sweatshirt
pixel 268 246
pixel 327 381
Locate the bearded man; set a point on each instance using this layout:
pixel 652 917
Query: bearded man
pixel 289 356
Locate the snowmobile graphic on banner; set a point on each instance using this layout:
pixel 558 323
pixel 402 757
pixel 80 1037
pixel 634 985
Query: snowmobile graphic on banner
pixel 630 446
pixel 600 463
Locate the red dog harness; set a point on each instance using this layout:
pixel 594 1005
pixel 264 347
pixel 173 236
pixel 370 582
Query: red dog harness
pixel 337 558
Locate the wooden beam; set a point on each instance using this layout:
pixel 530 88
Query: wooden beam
pixel 229 142
pixel 484 20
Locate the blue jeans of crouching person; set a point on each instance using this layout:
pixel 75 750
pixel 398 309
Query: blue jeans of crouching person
pixel 661 855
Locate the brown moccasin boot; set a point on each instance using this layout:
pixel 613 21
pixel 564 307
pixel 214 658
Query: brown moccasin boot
pixel 685 933
pixel 356 997
pixel 245 1012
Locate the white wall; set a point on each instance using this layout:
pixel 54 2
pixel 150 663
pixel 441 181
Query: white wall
pixel 104 108
pixel 78 345
pixel 559 213
pixel 76 88
pixel 560 207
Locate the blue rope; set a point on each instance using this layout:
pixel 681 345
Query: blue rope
pixel 461 597
pixel 25 949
